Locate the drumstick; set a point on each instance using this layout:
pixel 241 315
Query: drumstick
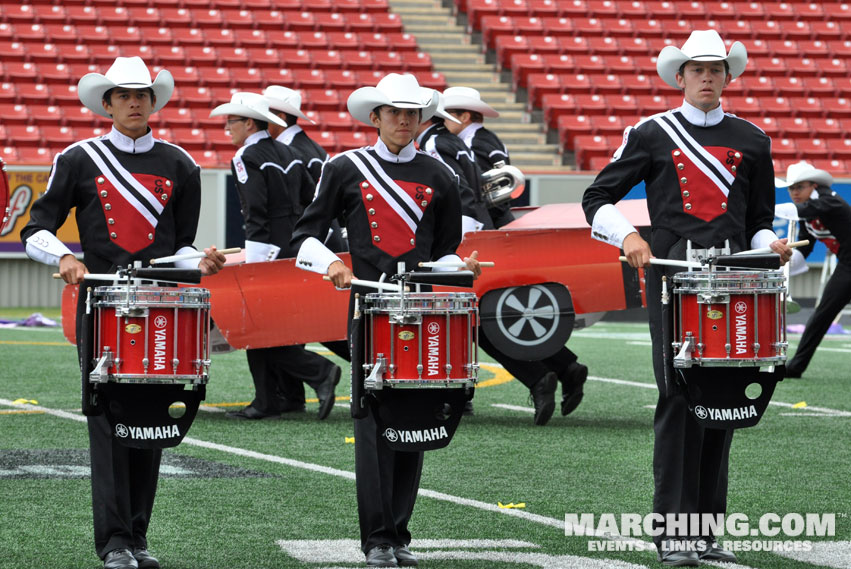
pixel 194 255
pixel 372 284
pixel 670 262
pixel 451 264
pixel 766 250
pixel 96 276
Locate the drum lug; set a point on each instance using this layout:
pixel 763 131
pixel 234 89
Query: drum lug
pixel 683 358
pixel 100 374
pixel 375 379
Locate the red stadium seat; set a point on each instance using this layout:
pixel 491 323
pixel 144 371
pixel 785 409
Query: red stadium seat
pixel 575 83
pixel 323 100
pixel 573 44
pixel 341 120
pixel 558 27
pixel 648 28
pixel 145 16
pixel 556 105
pixel 558 62
pixel 350 40
pixel 79 115
pixel 23 135
pixel 769 125
pixel 340 79
pixel 522 64
pixel 589 63
pixel 784 148
pixel 200 55
pixel 113 15
pixel 433 80
pixel 47 13
pixel 9 154
pixel 606 83
pixel 272 20
pixel 834 66
pixel 238 18
pixel 157 34
pixel 189 36
pixel 586 147
pixel 301 21
pixel 647 105
pixel 313 40
pixel 67 94
pixel 767 29
pixel 507 46
pixel 601 8
pixel 494 25
pixel 543 8
pixel 591 104
pixel 779 10
pixel 827 30
pixel 742 106
pixel 281 76
pixel 61 33
pixel 789 86
pixel 836 107
pixel 808 10
pixel 125 34
pixel 604 45
pixel 569 126
pixel 756 86
pixel 11 50
pixel 81 14
pixel 192 96
pixel 309 78
pixel 58 135
pixel 804 107
pixel 327 21
pixel 813 48
pixel 295 58
pixel 793 127
pixel 827 86
pixel 33 93
pixel 218 36
pixel 285 39
pixel 34 155
pixel 246 37
pixel 349 139
pixel 176 17
pixel 173 116
pixel 842 149
pixel 588 26
pixel 8 93
pixel 638 84
pixel 806 66
pixel 770 65
pixel 541 85
pixel 416 62
pixel 400 41
pixel 19 71
pixel 477 9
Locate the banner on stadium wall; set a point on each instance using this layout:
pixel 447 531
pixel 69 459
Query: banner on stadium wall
pixel 24 188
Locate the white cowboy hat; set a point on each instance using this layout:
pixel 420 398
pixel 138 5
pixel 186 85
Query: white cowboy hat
pixel 285 100
pixel 249 105
pixel 127 72
pixel 400 91
pixel 701 45
pixel 441 110
pixel 804 172
pixel 468 99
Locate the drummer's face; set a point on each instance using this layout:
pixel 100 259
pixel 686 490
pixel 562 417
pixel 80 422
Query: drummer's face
pixel 801 191
pixel 130 109
pixel 397 127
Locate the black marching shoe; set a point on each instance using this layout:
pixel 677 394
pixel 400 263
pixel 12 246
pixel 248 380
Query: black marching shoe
pixel 709 550
pixel 381 556
pixel 145 559
pixel 325 391
pixel 572 379
pixel 404 557
pixel 543 396
pixel 120 559
pixel 674 553
pixel 252 414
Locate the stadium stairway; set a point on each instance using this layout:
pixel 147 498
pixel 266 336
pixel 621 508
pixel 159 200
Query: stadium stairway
pixel 462 62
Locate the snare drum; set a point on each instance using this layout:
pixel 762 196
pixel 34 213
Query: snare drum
pixel 151 334
pixel 421 340
pixel 729 318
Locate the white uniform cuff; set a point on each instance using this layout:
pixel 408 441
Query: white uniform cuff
pixel 256 252
pixel 314 256
pixel 610 226
pixel 469 224
pixel 448 259
pixel 787 211
pixel 798 264
pixel 187 263
pixel 763 238
pixel 45 247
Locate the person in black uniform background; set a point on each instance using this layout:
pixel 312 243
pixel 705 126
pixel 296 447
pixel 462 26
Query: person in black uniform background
pixel 399 204
pixel 824 216
pixel 273 188
pixel 136 198
pixel 709 179
pixel 465 105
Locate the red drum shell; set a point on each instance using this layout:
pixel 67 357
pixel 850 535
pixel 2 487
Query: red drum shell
pixel 737 310
pixel 157 324
pixel 434 330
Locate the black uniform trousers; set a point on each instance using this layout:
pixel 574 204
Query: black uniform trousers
pixel 124 479
pixel 689 461
pixel 386 480
pixel 528 372
pixel 836 295
pixel 280 371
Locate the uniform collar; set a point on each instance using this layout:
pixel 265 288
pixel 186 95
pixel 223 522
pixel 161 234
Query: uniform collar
pixel 289 134
pixel 255 137
pixel 133 146
pixel 698 118
pixel 422 136
pixel 405 155
pixel 468 133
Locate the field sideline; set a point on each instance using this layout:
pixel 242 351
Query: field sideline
pixel 280 493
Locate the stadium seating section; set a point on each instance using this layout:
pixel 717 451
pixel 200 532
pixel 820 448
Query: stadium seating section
pixel 590 67
pixel 587 65
pixel 213 48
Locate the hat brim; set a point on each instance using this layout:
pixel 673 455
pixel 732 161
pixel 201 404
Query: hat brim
pixel 820 177
pixel 92 86
pixel 247 112
pixel 671 58
pixel 284 107
pixel 362 101
pixel 469 104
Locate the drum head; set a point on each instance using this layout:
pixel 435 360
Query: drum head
pixel 528 322
pixel 418 419
pixel 729 398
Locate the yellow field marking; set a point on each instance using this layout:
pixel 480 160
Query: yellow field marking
pixel 21 412
pixel 22 343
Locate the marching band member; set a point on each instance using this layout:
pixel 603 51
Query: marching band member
pixel 399 204
pixel 709 178
pixel 466 106
pixel 136 198
pixel 273 188
pixel 825 216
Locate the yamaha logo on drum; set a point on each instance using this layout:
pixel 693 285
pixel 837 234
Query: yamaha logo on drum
pixel 741 308
pixel 390 435
pixel 433 348
pixel 148 433
pixel 700 411
pixel 160 322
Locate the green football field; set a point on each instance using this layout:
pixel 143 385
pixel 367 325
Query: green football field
pixel 281 493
